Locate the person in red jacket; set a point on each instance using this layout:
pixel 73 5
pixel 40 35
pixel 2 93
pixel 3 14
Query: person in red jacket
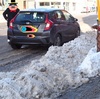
pixel 11 11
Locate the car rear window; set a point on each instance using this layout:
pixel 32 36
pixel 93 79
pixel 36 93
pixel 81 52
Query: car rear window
pixel 31 16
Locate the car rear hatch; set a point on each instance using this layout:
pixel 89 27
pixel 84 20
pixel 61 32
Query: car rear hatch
pixel 28 23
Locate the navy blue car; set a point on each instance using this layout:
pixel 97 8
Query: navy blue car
pixel 45 26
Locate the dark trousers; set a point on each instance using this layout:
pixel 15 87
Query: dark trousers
pixel 8 23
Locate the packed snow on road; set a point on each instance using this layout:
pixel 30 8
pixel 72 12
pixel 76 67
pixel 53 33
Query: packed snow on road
pixel 61 68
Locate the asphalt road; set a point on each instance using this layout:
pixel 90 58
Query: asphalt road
pixel 90 90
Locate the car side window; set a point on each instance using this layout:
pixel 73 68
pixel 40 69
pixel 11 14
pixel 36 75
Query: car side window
pixel 67 15
pixel 58 15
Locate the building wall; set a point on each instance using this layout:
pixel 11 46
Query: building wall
pixel 69 5
pixel 21 4
pixel 30 3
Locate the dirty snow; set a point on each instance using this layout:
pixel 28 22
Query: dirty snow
pixel 58 70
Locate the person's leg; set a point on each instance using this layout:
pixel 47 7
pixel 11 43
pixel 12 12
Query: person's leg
pixel 7 24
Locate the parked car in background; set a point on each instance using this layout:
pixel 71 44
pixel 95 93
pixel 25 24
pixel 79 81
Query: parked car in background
pixel 43 26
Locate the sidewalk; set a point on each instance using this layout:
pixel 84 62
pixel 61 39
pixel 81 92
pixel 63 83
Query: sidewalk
pixel 2 20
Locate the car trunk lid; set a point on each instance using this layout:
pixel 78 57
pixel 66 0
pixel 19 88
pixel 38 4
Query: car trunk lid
pixel 29 22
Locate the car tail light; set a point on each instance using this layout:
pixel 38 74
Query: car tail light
pixel 48 22
pixel 11 22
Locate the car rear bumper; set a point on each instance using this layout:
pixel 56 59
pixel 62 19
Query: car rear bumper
pixel 40 38
pixel 26 40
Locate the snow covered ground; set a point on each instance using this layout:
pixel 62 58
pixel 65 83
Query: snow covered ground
pixel 58 70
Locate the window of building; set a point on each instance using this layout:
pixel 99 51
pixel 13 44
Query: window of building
pixel 55 3
pixel 41 3
pixel 47 3
pixel 67 6
pixel 52 3
pixel 58 3
pixel 24 4
pixel 74 6
pixel 44 3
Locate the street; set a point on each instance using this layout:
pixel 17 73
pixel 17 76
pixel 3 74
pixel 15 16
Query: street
pixel 14 60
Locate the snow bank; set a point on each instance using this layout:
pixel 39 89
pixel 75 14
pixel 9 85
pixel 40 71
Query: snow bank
pixel 58 70
pixel 91 65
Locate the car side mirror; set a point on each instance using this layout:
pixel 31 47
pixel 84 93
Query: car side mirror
pixel 75 19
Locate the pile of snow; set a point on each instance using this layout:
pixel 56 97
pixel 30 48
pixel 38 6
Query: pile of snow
pixel 91 65
pixel 57 71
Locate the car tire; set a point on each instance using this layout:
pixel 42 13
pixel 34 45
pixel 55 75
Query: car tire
pixel 15 46
pixel 58 40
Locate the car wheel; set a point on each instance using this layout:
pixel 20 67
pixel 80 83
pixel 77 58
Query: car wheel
pixel 15 46
pixel 57 41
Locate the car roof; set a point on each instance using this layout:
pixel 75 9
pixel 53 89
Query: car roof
pixel 40 10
